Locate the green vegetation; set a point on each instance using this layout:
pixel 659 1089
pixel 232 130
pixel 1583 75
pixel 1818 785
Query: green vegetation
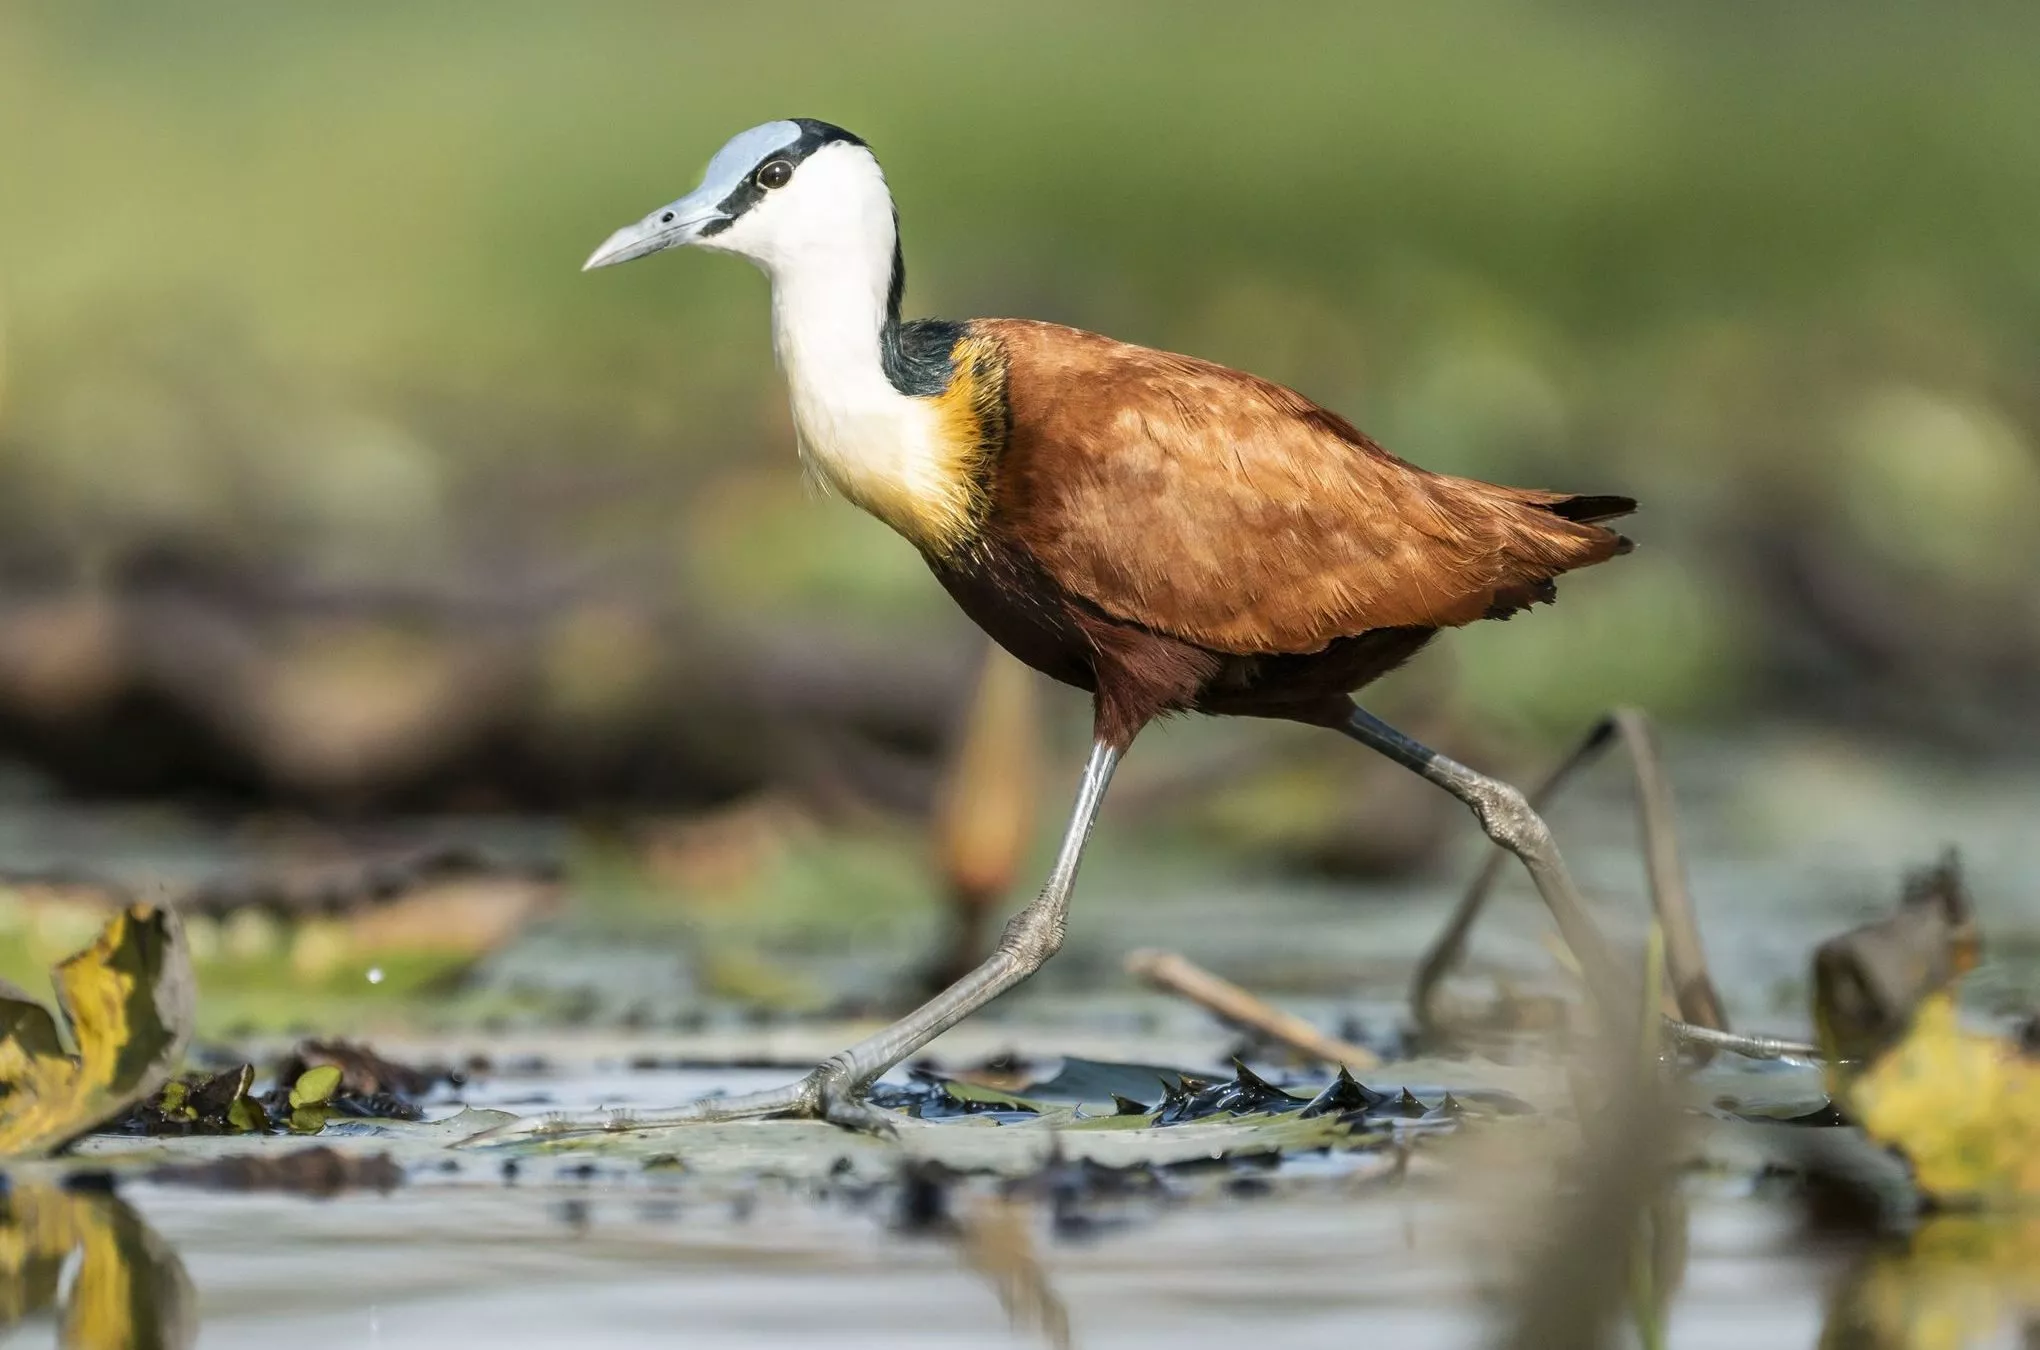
pixel 304 279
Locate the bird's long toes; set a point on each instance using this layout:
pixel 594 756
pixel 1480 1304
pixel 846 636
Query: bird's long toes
pixel 550 1126
pixel 848 1107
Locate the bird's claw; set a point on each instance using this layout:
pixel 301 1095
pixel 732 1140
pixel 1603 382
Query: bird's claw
pixel 843 1104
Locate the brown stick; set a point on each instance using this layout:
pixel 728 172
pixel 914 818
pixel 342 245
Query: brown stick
pixel 1173 973
pixel 1685 959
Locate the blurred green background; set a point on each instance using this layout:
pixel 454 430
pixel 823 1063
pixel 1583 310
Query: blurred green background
pixel 322 468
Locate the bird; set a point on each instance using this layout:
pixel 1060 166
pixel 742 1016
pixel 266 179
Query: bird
pixel 1162 532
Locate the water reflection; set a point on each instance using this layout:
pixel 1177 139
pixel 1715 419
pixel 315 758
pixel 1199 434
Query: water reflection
pixel 1959 1280
pixel 130 1291
pixel 85 1260
pixel 996 1236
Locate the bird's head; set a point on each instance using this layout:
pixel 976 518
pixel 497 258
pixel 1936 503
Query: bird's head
pixel 776 194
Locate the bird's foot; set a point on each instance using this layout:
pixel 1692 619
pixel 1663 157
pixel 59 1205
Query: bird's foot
pixel 829 1093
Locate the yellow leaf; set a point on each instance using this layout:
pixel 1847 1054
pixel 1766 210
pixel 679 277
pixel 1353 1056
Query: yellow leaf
pixel 127 1000
pixel 1963 1107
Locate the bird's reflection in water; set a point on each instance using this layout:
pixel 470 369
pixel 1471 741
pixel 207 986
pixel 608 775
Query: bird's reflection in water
pixel 996 1236
pixel 129 1292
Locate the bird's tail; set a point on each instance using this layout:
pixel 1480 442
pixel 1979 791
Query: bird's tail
pixel 1589 510
pixel 1586 509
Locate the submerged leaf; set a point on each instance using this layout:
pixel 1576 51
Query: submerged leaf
pixel 127 1000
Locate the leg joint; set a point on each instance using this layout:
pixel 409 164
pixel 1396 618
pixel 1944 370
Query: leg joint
pixel 1033 935
pixel 1507 816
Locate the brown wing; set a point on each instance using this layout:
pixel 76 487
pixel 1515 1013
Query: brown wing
pixel 1231 512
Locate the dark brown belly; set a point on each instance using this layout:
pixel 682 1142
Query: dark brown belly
pixel 1028 615
pixel 1022 613
pixel 1312 687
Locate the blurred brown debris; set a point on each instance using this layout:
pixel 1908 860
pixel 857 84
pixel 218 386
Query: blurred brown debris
pixel 985 809
pixel 188 675
pixel 1868 982
pixel 324 905
pixel 719 852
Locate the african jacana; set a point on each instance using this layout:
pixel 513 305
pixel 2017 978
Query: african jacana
pixel 1164 532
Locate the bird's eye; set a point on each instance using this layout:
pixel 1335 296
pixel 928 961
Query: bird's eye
pixel 775 174
pixel 666 219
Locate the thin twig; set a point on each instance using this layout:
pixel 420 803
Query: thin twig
pixel 1176 974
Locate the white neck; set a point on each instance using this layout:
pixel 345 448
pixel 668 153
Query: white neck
pixel 827 242
pixel 828 315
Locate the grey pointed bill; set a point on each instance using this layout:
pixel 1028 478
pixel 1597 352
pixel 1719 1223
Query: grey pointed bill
pixel 682 222
pixel 668 227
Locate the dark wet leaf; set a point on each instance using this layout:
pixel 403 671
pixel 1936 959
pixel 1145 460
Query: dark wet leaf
pixel 217 1104
pixel 1100 1081
pixel 931 1096
pixel 1247 1093
pixel 1343 1095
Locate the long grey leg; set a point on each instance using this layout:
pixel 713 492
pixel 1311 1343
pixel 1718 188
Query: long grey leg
pixel 835 1090
pixel 1508 818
